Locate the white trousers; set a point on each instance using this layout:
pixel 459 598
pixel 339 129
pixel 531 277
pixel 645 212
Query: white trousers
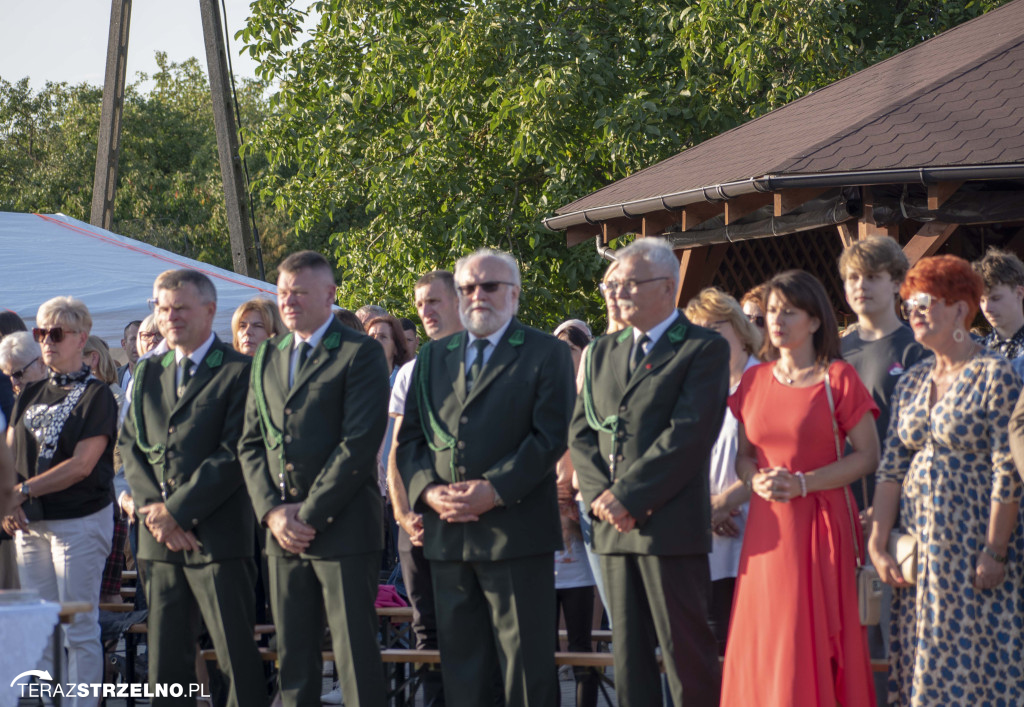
pixel 63 560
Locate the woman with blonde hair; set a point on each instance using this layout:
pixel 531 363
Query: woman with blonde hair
pixel 254 322
pixel 713 309
pixel 62 435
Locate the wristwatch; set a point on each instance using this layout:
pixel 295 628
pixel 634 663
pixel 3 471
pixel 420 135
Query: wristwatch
pixel 24 490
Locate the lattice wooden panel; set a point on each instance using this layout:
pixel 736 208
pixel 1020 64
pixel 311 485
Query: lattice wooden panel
pixel 749 263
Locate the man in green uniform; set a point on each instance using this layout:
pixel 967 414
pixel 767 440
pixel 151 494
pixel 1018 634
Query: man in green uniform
pixel 314 421
pixel 641 438
pixel 179 450
pixel 485 421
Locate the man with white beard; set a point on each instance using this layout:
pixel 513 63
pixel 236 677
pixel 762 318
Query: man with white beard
pixel 485 421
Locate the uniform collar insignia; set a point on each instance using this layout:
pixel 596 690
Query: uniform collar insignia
pixel 332 341
pixel 168 359
pixel 677 333
pixel 214 358
pixel 455 342
pixel 517 338
pixel 285 342
pixel 625 334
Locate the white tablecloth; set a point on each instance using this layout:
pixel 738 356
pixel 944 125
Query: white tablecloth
pixel 26 630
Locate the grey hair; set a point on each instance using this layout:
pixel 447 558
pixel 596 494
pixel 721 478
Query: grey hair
pixel 148 324
pixel 510 262
pixel 17 349
pixel 656 252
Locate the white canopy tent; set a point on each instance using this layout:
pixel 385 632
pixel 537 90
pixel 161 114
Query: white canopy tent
pixel 44 256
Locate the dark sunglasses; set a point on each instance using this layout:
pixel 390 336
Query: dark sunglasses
pixel 56 334
pixel 18 375
pixel 488 287
pixel 757 320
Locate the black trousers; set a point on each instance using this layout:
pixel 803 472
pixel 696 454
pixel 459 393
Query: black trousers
pixel 222 593
pixel 662 601
pixel 496 615
pixel 300 590
pixel 720 608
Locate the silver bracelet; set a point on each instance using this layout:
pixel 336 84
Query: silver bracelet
pixel 803 483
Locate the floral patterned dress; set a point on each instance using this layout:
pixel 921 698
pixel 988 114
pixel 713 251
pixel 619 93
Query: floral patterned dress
pixel 953 644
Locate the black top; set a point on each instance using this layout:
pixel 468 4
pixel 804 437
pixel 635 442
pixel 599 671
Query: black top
pixel 880 363
pixel 6 396
pixel 94 415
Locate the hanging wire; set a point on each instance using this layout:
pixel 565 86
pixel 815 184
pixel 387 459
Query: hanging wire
pixel 238 122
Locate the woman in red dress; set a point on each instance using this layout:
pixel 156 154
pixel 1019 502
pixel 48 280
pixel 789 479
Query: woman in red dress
pixel 795 637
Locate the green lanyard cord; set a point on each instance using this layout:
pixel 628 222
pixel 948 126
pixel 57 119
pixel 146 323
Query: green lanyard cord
pixel 155 453
pixel 610 424
pixel 272 437
pixel 428 419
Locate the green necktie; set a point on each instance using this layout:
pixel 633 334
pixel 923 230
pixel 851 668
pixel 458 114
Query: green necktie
pixel 478 363
pixel 186 375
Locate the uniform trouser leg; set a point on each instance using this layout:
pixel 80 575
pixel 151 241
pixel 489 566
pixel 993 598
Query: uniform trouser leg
pixel 349 592
pixel 224 593
pixel 173 623
pixel 497 613
pixel 420 589
pixel 297 604
pixel 662 600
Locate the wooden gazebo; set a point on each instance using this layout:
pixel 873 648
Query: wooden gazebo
pixel 926 147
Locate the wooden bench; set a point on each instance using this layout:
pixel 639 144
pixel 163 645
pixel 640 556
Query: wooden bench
pixel 118 607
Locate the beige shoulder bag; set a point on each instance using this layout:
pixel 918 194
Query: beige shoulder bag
pixel 869 585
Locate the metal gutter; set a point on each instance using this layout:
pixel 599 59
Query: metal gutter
pixel 772 182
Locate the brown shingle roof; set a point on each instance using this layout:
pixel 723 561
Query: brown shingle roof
pixel 954 100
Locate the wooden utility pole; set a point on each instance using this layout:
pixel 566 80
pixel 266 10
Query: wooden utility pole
pixel 108 148
pixel 243 252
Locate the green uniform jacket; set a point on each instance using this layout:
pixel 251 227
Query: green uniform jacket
pixel 198 435
pixel 331 423
pixel 510 429
pixel 669 413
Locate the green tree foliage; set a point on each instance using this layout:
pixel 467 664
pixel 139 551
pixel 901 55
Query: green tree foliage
pixel 433 128
pixel 170 192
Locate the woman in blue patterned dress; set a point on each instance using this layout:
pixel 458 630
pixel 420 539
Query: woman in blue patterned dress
pixel 958 635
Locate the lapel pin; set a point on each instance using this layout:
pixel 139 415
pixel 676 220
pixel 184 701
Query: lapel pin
pixel 648 366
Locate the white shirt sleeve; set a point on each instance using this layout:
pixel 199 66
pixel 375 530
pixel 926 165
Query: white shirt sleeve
pixel 400 390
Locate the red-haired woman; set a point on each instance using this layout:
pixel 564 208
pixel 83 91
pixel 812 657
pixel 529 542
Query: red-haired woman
pixel 958 636
pixel 795 638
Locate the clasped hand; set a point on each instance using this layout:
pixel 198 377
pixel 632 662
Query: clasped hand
pixel 775 484
pixel 291 533
pixel 461 502
pixel 609 509
pixel 166 530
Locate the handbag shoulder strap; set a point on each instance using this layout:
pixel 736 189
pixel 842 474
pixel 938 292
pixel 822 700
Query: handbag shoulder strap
pixel 839 455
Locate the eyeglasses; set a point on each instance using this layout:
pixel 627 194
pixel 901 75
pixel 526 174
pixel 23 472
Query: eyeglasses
pixel 56 334
pixel 757 320
pixel 488 287
pixel 629 286
pixel 18 375
pixel 919 304
pixel 151 303
pixel 149 335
